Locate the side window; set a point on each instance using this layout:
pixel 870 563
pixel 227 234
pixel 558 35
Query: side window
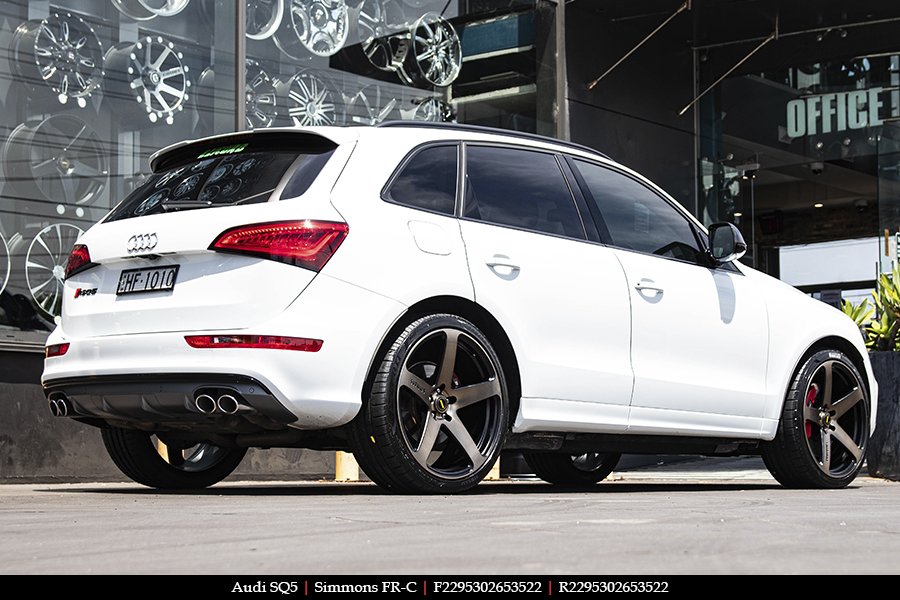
pixel 520 188
pixel 637 218
pixel 428 180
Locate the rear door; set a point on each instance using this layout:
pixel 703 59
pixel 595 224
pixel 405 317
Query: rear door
pixel 561 298
pixel 154 271
pixel 699 334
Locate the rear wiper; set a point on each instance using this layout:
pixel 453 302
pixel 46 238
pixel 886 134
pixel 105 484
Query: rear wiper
pixel 184 205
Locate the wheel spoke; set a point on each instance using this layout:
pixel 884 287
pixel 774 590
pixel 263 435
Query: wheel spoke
pixel 810 413
pixel 426 444
pixel 415 384
pixel 176 456
pixel 847 442
pixel 448 361
pixel 470 394
pixel 458 430
pixel 825 460
pixel 843 405
pixel 827 389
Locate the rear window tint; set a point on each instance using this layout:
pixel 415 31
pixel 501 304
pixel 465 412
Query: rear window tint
pixel 244 178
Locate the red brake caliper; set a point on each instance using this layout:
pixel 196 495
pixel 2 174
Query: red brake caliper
pixel 810 400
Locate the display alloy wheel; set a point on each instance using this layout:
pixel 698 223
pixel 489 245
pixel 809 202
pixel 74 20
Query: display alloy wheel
pixel 318 27
pixel 368 106
pixel 384 47
pixel 573 470
pixel 63 52
pixel 153 73
pixel 45 265
pixel 824 427
pixel 260 96
pixel 434 110
pixel 5 263
pixel 435 53
pixel 309 100
pixel 141 457
pixel 144 10
pixel 263 18
pixel 437 413
pixel 61 159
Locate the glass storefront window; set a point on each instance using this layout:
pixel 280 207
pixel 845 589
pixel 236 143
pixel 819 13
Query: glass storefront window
pixel 92 88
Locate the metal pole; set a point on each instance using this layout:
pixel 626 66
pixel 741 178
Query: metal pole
pixel 685 6
pixel 562 78
pixel 771 37
pixel 240 68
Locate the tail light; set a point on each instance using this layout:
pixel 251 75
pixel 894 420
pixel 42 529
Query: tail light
pixel 56 350
pixel 307 244
pixel 271 342
pixel 79 260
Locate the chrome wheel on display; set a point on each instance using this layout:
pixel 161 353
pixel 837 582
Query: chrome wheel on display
pixel 434 110
pixel 261 98
pixel 835 419
pixel 263 18
pixel 319 27
pixel 144 10
pixel 151 72
pixel 63 52
pixel 368 107
pixel 384 48
pixel 309 100
pixel 5 263
pixel 435 53
pixel 60 159
pixel 449 404
pixel 45 265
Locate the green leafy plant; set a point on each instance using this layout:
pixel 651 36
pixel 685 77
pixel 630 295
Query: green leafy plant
pixel 882 332
pixel 860 313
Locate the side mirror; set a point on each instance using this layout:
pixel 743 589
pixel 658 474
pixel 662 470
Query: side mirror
pixel 726 244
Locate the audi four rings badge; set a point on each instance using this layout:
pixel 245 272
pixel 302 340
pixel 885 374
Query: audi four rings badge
pixel 141 242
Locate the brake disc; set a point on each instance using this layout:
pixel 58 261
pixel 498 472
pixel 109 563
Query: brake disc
pixel 152 72
pixel 61 159
pixel 63 52
pixel 310 99
pixel 144 10
pixel 45 265
pixel 385 48
pixel 263 18
pixel 320 27
pixel 261 98
pixel 435 53
pixel 368 106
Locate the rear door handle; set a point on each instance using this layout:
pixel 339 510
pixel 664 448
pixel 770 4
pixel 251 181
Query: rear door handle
pixel 648 285
pixel 503 266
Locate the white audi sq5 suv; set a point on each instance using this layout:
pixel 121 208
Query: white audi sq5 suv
pixel 428 297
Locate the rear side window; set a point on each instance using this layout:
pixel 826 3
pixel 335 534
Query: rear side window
pixel 637 217
pixel 242 178
pixel 520 188
pixel 428 180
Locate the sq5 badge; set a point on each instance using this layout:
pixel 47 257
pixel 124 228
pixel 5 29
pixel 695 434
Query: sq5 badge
pixel 80 292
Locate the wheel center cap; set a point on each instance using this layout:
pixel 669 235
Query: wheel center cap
pixel 439 402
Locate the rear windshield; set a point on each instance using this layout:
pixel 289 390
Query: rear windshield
pixel 241 178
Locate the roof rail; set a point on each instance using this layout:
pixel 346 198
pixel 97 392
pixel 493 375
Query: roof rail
pixel 493 130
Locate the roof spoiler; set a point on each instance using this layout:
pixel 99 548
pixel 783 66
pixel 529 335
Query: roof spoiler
pixel 270 140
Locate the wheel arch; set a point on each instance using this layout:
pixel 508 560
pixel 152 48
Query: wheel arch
pixel 478 316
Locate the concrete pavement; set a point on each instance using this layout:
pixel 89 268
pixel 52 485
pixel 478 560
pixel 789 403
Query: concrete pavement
pixel 695 517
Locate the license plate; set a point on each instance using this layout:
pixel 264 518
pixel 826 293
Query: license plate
pixel 155 279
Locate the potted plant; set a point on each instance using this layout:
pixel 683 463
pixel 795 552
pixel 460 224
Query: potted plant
pixel 882 334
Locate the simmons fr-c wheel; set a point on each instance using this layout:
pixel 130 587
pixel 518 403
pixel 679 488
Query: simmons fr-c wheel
pixel 137 454
pixel 824 428
pixel 437 412
pixel 575 470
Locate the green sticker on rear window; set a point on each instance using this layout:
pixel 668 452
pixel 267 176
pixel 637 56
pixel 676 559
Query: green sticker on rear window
pixel 223 150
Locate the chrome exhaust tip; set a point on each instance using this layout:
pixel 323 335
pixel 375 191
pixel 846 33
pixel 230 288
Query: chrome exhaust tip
pixel 228 404
pixel 59 407
pixel 54 408
pixel 205 404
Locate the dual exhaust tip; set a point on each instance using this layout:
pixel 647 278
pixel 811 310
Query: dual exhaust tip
pixel 225 404
pixel 59 407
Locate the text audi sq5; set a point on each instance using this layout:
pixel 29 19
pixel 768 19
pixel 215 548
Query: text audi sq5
pixel 429 296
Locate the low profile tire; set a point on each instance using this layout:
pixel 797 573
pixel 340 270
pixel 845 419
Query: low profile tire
pixel 572 470
pixel 437 413
pixel 200 466
pixel 824 428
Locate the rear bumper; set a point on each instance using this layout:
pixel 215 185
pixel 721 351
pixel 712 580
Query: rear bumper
pixel 167 400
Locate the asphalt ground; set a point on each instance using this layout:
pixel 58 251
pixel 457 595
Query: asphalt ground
pixel 698 517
